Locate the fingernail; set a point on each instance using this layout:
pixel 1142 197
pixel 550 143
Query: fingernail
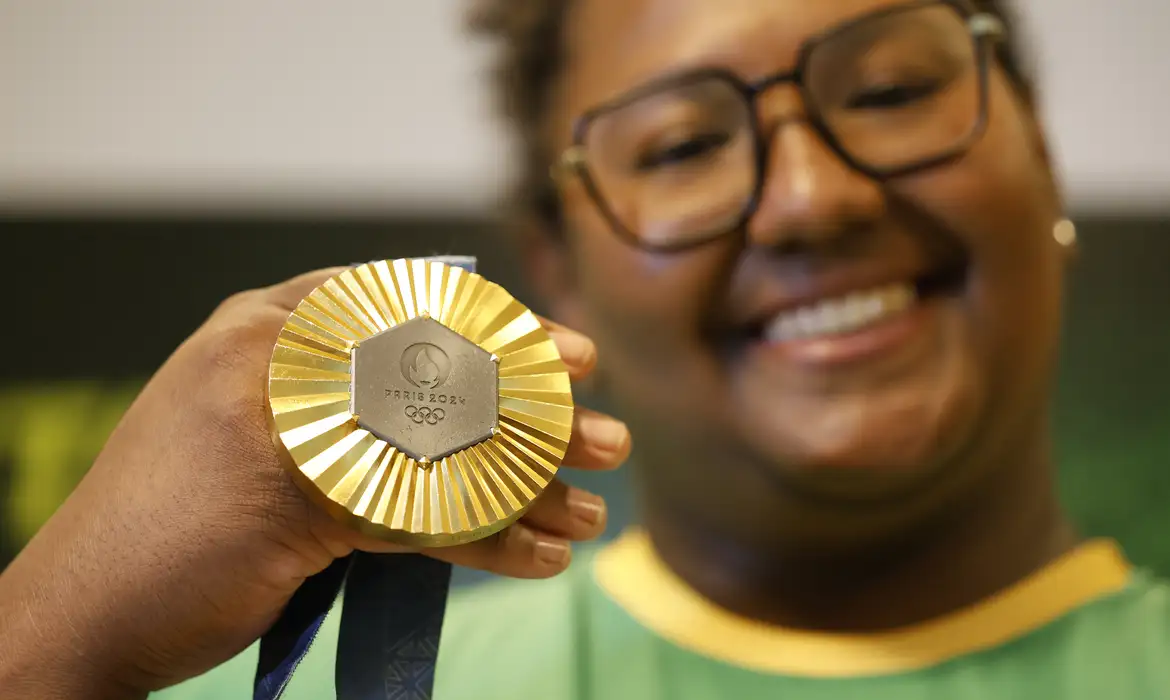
pixel 587 507
pixel 552 552
pixel 607 433
pixel 575 348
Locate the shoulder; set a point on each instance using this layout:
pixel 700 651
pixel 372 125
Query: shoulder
pixel 1137 617
pixel 499 634
pixel 494 634
pixel 1115 646
pixel 540 604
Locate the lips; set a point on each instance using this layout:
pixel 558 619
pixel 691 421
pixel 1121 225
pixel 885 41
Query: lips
pixel 842 314
pixel 843 299
pixel 845 314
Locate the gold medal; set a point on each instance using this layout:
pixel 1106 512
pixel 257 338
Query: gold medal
pixel 418 402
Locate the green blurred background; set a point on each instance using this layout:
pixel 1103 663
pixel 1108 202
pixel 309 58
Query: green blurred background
pixel 96 304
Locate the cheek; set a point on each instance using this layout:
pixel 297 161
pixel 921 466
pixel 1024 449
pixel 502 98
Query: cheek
pixel 1000 195
pixel 1001 200
pixel 647 312
pixel 638 298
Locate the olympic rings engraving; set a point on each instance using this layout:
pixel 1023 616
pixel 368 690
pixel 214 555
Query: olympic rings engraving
pixel 430 416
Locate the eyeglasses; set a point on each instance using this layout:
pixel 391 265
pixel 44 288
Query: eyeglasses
pixel 682 161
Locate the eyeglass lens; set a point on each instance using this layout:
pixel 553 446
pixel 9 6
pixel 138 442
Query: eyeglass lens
pixel 680 164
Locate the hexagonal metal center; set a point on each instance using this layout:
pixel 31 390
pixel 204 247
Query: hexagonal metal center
pixel 425 389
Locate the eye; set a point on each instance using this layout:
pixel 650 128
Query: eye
pixel 682 152
pixel 892 96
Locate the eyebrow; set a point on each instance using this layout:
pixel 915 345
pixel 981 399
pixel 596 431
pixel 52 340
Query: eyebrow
pixel 717 54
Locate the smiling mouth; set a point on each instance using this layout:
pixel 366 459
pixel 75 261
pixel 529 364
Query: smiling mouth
pixel 861 309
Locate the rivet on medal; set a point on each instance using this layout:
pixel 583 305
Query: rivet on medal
pixel 420 403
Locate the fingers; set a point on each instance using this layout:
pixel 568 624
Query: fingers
pixel 599 442
pixel 568 512
pixel 539 545
pixel 536 547
pixel 577 351
pixel 289 293
pixel 519 551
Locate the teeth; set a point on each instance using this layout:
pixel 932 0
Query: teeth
pixel 841 315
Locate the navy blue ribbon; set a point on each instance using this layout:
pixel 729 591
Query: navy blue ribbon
pixel 289 639
pixel 390 626
pixel 391 619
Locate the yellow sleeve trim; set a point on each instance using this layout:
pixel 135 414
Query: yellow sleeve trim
pixel 632 574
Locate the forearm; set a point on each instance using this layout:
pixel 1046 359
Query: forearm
pixel 33 667
pixel 36 673
pixel 45 648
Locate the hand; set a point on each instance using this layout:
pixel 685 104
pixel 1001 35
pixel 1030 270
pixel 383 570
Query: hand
pixel 186 538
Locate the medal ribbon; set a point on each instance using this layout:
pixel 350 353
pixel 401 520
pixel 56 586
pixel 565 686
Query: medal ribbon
pixel 391 618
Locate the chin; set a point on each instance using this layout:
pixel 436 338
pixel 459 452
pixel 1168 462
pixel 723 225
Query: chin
pixel 872 429
pixel 880 447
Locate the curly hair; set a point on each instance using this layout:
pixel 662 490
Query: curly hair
pixel 531 34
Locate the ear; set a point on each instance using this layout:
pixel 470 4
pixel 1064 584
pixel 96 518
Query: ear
pixel 547 260
pixel 1064 231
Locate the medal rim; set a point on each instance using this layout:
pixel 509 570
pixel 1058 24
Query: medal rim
pixel 381 531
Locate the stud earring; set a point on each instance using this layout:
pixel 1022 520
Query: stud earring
pixel 1065 233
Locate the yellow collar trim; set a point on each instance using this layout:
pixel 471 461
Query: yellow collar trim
pixel 631 573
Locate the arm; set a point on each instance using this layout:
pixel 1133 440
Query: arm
pixel 186 538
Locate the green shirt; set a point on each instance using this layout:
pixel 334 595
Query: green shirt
pixel 619 625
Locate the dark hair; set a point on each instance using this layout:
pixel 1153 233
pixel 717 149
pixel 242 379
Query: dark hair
pixel 531 34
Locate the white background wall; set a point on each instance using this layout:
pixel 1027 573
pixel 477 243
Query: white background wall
pixel 379 104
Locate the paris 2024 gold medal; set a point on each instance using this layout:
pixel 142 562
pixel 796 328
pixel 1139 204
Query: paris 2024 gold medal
pixel 419 402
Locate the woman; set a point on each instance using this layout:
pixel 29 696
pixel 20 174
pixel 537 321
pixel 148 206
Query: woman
pixel 820 248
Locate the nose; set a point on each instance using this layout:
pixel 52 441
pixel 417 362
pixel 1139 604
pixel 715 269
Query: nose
pixel 810 196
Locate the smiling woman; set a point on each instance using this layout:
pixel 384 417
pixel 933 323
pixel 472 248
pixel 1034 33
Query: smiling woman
pixel 822 253
pixel 836 223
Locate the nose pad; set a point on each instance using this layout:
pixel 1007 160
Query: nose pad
pixel 810 195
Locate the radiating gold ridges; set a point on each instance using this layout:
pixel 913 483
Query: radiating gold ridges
pixel 365 481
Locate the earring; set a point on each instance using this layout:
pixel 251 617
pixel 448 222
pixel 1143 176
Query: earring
pixel 1065 233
